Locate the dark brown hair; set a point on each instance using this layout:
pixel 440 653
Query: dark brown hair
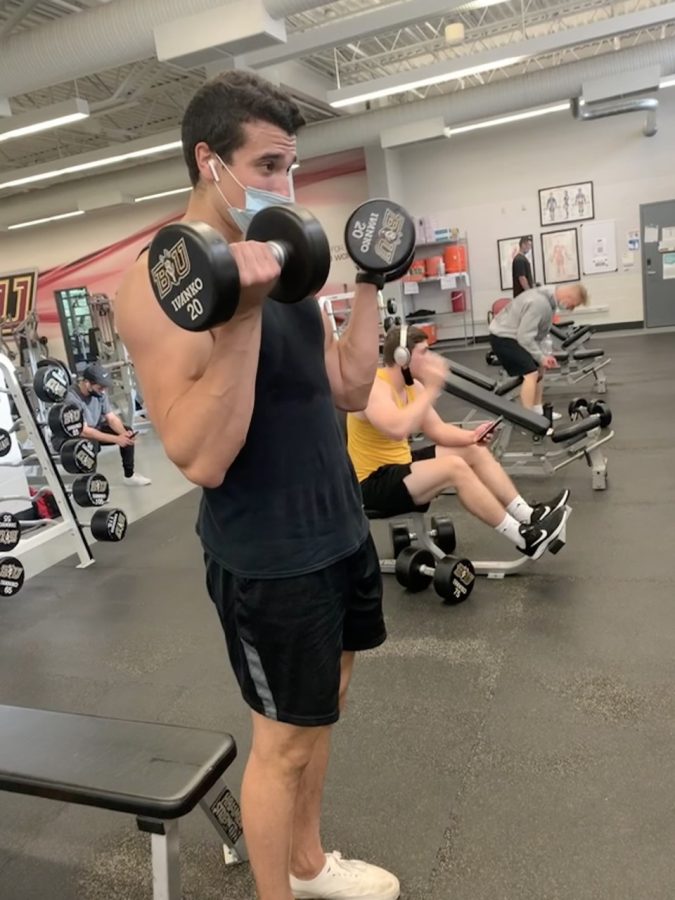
pixel 219 109
pixel 392 340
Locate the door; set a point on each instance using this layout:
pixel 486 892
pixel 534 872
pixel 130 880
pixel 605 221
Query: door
pixel 657 222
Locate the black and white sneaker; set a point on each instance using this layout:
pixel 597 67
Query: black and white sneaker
pixel 545 535
pixel 542 510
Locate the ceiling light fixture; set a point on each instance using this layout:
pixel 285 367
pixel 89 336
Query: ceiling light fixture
pixel 93 164
pixel 44 119
pixel 68 215
pixel 504 120
pixel 182 190
pixel 359 94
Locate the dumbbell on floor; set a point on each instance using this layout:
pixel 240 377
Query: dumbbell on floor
pixel 442 532
pixel 581 408
pixel 195 277
pixel 453 579
pixel 108 525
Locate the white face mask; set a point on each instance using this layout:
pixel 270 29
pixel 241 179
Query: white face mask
pixel 255 199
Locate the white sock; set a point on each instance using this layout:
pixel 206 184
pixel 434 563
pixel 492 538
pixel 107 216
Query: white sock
pixel 520 509
pixel 510 528
pixel 538 408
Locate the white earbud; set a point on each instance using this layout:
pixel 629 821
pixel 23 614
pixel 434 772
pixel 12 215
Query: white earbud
pixel 214 171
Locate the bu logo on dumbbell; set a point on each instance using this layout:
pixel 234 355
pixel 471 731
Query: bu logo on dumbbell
pixel 390 235
pixel 171 268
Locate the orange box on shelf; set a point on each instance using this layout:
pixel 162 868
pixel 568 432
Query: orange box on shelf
pixel 430 330
pixel 432 265
pixel 455 258
pixel 417 271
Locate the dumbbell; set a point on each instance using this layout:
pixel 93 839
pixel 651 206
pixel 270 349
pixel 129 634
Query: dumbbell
pixel 442 532
pixel 453 578
pixel 195 277
pixel 392 308
pixel 600 408
pixel 105 525
pixel 77 456
pixel 579 408
pixel 12 575
pixel 51 381
pixel 65 420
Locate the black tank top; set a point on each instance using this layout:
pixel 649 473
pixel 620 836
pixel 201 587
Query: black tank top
pixel 290 502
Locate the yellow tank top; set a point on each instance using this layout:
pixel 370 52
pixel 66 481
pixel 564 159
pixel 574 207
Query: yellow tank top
pixel 368 448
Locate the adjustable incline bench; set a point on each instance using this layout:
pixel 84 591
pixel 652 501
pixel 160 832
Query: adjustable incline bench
pixel 583 438
pixel 577 362
pixel 155 772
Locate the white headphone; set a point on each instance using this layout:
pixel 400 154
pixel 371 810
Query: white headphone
pixel 214 171
pixel 401 353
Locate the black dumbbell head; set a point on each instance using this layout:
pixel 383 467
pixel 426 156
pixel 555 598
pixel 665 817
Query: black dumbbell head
pixel 79 456
pixel 193 275
pixel 12 575
pixel 10 531
pixel 380 237
pixel 109 525
pixel 65 420
pixel 305 245
pixel 51 382
pixel 91 490
pixel 5 442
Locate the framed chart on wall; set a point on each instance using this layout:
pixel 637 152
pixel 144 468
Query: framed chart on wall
pixel 566 203
pixel 560 253
pixel 507 250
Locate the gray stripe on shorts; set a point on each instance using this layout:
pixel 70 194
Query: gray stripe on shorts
pixel 257 673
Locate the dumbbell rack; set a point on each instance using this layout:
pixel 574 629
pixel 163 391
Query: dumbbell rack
pixel 68 525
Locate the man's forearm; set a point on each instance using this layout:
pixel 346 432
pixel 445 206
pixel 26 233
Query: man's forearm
pixel 116 424
pixel 358 347
pixel 224 394
pixel 452 436
pixel 93 434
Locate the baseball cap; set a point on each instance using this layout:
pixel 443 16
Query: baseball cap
pixel 97 375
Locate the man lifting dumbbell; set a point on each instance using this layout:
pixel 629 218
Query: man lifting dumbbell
pixel 100 422
pixel 395 481
pixel 241 374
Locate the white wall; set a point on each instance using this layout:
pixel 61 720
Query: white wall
pixel 486 183
pixel 332 201
pixel 59 243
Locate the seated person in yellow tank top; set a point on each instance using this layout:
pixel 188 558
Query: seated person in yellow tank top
pixel 395 481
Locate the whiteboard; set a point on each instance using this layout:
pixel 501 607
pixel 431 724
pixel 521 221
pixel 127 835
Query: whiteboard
pixel 598 247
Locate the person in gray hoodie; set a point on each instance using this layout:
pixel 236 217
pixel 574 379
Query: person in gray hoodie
pixel 517 334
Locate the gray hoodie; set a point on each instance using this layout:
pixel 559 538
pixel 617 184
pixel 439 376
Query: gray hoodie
pixel 527 319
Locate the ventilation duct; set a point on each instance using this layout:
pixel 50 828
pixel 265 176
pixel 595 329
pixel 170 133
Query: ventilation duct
pixel 105 37
pixel 589 112
pixel 473 104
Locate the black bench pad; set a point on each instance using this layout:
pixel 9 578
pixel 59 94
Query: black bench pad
pixel 483 381
pixel 489 401
pixel 589 353
pixel 146 769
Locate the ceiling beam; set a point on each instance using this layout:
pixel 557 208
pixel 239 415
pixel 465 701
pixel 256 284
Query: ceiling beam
pixel 446 69
pixel 324 37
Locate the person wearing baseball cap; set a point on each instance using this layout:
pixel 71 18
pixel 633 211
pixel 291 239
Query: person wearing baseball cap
pixel 101 423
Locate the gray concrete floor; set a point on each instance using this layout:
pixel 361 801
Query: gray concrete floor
pixel 516 747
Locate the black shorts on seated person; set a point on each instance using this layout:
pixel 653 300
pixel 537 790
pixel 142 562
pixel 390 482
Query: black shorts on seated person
pixel 385 492
pixel 515 358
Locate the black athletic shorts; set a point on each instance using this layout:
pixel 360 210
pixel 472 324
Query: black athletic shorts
pixel 515 359
pixel 385 492
pixel 285 636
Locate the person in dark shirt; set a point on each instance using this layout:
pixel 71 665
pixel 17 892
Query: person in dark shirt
pixel 101 423
pixel 246 410
pixel 521 270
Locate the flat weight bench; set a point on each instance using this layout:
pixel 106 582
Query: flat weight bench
pixel 583 438
pixel 155 772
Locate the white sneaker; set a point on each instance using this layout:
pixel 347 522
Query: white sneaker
pixel 347 879
pixel 137 480
pixel 556 416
